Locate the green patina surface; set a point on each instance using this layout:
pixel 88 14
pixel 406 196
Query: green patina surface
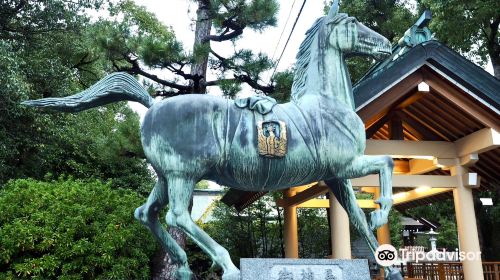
pixel 193 137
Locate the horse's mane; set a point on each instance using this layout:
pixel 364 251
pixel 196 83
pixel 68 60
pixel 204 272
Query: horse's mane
pixel 303 58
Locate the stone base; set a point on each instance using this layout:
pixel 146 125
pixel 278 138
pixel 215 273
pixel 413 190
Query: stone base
pixel 304 269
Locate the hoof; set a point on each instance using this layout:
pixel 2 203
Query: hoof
pixel 385 203
pixel 393 274
pixel 184 273
pixel 378 218
pixel 231 275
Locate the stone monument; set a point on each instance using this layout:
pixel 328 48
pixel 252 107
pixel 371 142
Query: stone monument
pixel 304 269
pixel 255 144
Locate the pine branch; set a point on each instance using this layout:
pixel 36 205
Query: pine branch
pixel 166 93
pixel 254 84
pixel 180 72
pixel 229 24
pixel 83 61
pixel 137 70
pixel 245 78
pixel 225 37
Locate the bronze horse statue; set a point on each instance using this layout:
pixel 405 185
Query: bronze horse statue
pixel 316 136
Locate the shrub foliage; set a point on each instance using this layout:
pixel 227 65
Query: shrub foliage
pixel 70 229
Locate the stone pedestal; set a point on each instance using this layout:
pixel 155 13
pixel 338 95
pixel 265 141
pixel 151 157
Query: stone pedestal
pixel 304 269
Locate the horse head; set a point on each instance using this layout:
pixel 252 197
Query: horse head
pixel 352 37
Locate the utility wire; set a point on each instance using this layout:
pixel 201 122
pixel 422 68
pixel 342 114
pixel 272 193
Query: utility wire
pixel 288 40
pixel 283 31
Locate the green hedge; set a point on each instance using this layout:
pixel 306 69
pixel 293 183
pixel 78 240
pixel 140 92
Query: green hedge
pixel 71 230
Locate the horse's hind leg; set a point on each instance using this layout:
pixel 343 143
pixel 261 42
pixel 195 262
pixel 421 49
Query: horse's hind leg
pixel 147 214
pixel 383 165
pixel 180 190
pixel 342 189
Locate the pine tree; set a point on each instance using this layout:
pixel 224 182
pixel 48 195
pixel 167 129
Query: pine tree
pixel 139 43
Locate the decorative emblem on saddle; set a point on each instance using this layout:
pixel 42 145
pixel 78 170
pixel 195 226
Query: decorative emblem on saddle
pixel 271 136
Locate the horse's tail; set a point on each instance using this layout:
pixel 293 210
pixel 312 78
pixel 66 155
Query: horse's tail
pixel 112 88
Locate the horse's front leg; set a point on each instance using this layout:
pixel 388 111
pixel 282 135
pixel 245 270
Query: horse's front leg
pixel 383 165
pixel 342 189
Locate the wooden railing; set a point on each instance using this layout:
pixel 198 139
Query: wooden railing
pixel 491 270
pixel 447 270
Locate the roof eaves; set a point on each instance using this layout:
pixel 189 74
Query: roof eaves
pixel 467 74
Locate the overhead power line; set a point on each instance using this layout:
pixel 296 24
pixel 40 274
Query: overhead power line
pixel 289 36
pixel 283 31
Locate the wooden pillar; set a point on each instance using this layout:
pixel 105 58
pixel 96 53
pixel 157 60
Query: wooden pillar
pixel 340 235
pixel 383 232
pixel 291 230
pixel 396 130
pixel 466 226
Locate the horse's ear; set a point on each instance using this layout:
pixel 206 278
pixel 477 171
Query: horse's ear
pixel 334 10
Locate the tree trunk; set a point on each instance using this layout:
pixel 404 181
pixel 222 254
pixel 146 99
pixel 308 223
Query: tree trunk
pixel 163 268
pixel 203 28
pixel 496 69
pixel 280 225
pixel 493 46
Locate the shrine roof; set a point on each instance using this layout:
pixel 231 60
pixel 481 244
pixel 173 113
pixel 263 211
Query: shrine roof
pixel 416 49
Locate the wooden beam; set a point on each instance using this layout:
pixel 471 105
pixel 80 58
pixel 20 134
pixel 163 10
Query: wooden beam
pixel 407 181
pixel 444 87
pixel 389 99
pixel 411 130
pixel 469 160
pixel 471 180
pixel 369 189
pixel 401 167
pixel 416 194
pixel 302 188
pixel 399 198
pixel 426 123
pixel 445 163
pixel 421 166
pixel 366 203
pixel 312 203
pixel 478 142
pixel 306 195
pixel 324 203
pixel 374 127
pixel 396 131
pixel 428 134
pixel 410 149
pixel 411 99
